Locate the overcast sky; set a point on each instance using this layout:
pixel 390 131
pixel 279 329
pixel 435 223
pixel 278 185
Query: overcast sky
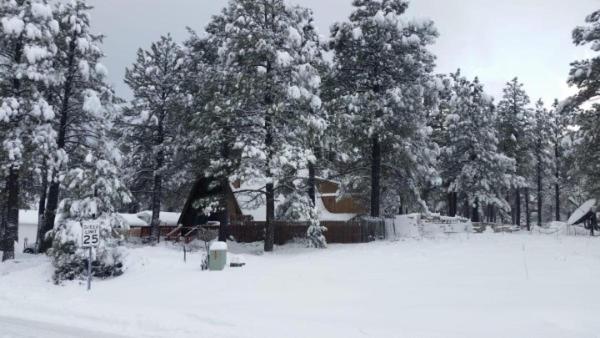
pixel 493 39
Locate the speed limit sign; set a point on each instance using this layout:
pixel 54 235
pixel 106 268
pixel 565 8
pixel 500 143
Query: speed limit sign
pixel 90 238
pixel 91 235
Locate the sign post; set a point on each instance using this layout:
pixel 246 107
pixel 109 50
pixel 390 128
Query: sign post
pixel 90 240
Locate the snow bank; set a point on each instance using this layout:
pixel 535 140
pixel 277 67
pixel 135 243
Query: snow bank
pixel 561 229
pixel 489 285
pixel 403 226
pixel 418 226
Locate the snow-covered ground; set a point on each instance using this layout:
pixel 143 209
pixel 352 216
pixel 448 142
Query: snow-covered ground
pixel 467 285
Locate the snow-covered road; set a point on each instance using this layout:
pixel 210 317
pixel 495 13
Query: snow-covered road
pixel 486 285
pixel 11 327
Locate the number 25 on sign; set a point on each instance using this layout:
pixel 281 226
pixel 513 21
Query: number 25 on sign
pixel 91 235
pixel 90 239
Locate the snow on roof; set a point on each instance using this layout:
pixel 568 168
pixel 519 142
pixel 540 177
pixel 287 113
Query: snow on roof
pixel 166 218
pixel 250 204
pixel 142 219
pixel 133 220
pixel 326 215
pixel 169 218
pixel 255 207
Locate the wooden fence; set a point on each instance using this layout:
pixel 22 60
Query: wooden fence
pixel 482 226
pixel 355 231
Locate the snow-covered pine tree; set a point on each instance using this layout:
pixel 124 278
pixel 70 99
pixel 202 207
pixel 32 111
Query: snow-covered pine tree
pixel 585 74
pixel 439 121
pixel 94 192
pixel 513 120
pixel 27 28
pixel 587 150
pixel 541 130
pixel 93 189
pixel 153 124
pixel 79 75
pixel 210 129
pixel 312 124
pixel 265 51
pixel 560 118
pixel 474 167
pixel 382 70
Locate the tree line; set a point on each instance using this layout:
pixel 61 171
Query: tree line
pixel 262 98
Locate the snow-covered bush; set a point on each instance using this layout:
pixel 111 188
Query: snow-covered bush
pixel 70 260
pixel 94 189
pixel 299 207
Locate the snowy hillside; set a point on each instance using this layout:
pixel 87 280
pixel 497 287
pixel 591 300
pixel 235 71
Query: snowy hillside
pixel 487 285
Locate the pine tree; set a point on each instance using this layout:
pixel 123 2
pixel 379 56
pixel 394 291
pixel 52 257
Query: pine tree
pixel 94 191
pixel 585 74
pixel 560 138
pixel 513 119
pixel 153 123
pixel 266 54
pixel 382 71
pixel 27 28
pixel 474 167
pixel 211 130
pixel 587 150
pixel 439 122
pixel 80 80
pixel 542 147
pixel 439 199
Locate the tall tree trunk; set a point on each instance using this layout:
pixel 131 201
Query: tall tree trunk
pixel 401 207
pixel 224 226
pixel 50 214
pixel 539 194
pixel 270 188
pixel 157 189
pixel 513 219
pixel 225 219
pixel 527 211
pixel 518 207
pixel 11 220
pixel 452 203
pixel 270 224
pixel 10 227
pixel 41 210
pixel 375 176
pixel 557 183
pixel 156 198
pixel 54 191
pixel 475 217
pixel 312 181
pixel 269 143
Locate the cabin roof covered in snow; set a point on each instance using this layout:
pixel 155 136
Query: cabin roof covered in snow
pixel 254 206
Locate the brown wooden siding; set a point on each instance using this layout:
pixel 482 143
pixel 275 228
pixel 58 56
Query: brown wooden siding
pixel 344 205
